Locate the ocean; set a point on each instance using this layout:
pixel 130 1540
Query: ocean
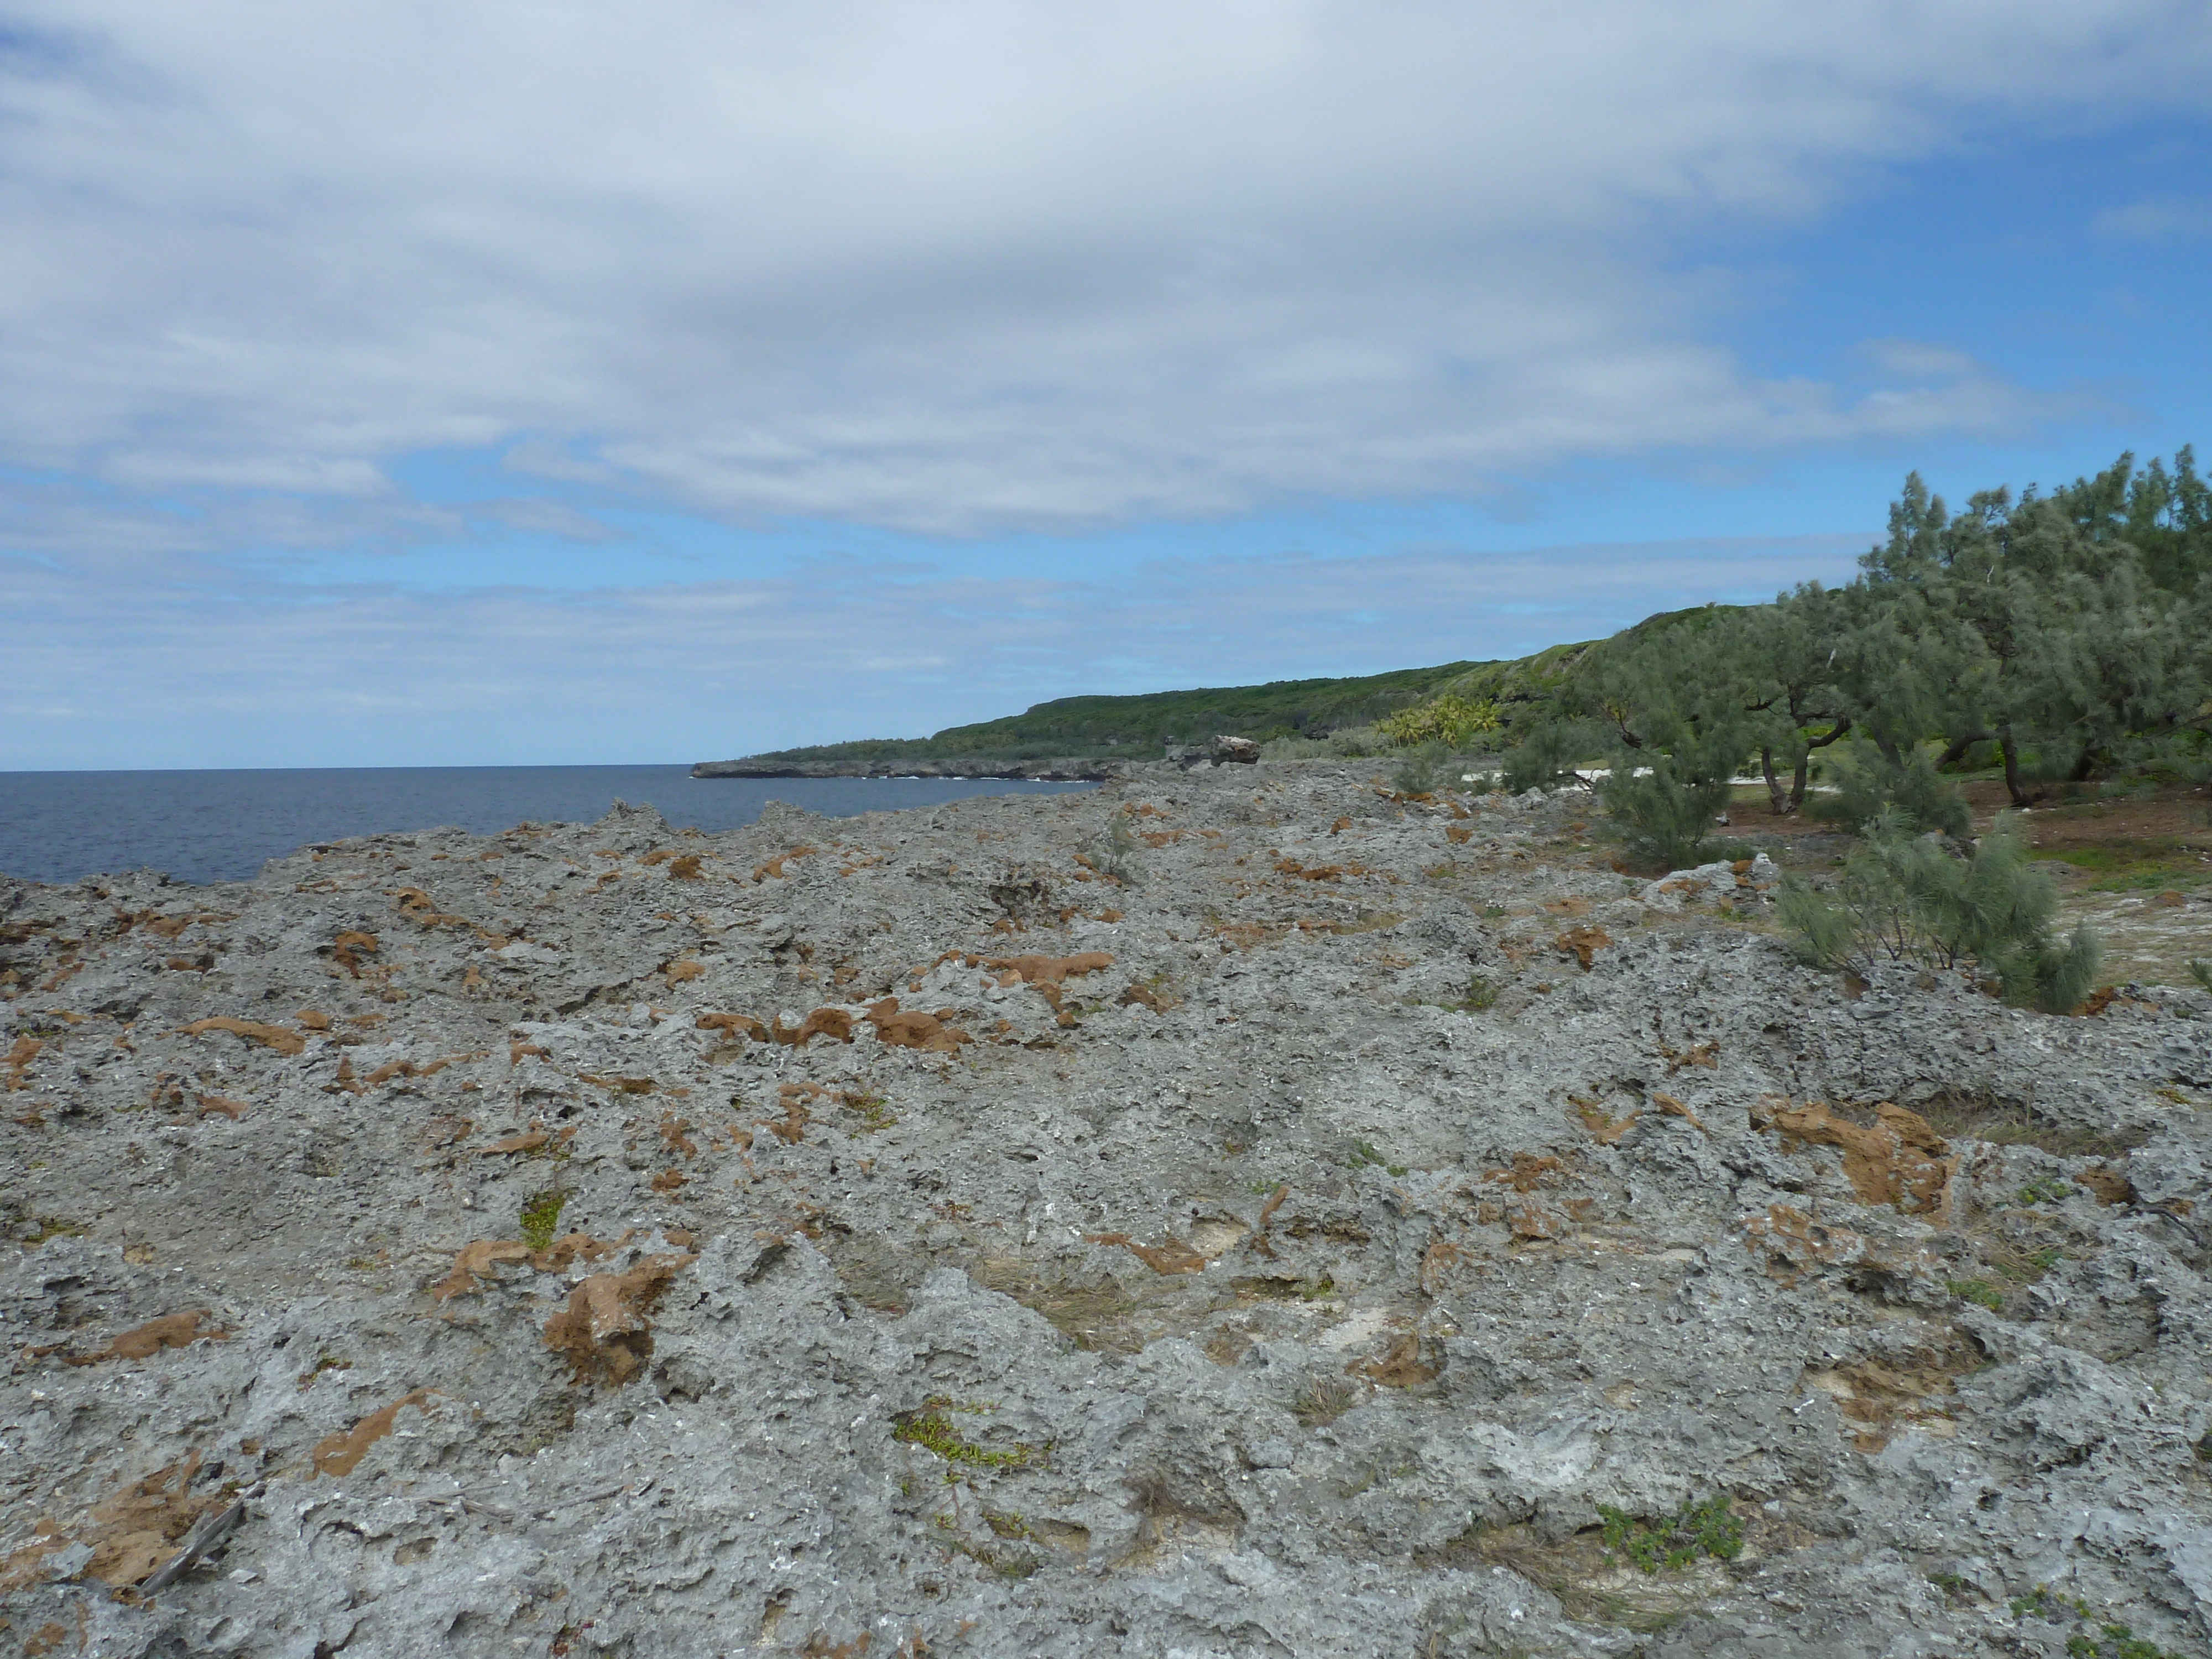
pixel 221 825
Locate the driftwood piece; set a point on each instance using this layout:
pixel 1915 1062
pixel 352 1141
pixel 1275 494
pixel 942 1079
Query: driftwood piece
pixel 211 1530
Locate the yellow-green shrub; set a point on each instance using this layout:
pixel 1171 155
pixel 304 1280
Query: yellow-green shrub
pixel 1450 719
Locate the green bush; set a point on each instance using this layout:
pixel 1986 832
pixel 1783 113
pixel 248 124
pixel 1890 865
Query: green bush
pixel 1355 742
pixel 1868 784
pixel 1661 816
pixel 1542 758
pixel 1906 897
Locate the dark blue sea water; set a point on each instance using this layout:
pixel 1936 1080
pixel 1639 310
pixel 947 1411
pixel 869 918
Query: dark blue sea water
pixel 220 826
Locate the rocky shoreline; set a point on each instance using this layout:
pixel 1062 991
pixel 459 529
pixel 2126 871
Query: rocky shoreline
pixel 1236 1212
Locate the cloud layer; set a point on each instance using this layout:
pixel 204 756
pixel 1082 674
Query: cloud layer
pixel 970 266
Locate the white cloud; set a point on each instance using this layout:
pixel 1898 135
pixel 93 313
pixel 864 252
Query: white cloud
pixel 945 267
pixel 2157 219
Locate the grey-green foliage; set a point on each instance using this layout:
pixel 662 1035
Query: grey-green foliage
pixel 1545 756
pixel 2067 637
pixel 2028 625
pixel 1868 784
pixel 1419 770
pixel 1905 896
pixel 1682 723
pixel 1785 660
pixel 1117 853
pixel 1663 811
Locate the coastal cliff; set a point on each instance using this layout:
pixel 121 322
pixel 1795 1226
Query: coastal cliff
pixel 1236 1211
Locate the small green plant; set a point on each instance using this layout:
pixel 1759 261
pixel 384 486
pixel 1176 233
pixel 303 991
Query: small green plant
pixel 932 1430
pixel 1324 1399
pixel 1117 854
pixel 2028 1268
pixel 1978 1291
pixel 1365 1156
pixel 44 1227
pixel 874 1112
pixel 2047 1190
pixel 2200 970
pixel 1710 1528
pixel 1492 912
pixel 1481 994
pixel 2045 1603
pixel 541 1217
pixel 2092 1638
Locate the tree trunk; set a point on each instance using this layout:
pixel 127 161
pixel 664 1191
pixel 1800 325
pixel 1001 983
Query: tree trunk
pixel 1957 751
pixel 2011 753
pixel 1781 804
pixel 1805 762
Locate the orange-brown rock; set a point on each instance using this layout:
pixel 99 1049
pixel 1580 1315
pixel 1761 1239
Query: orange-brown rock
pixel 832 1023
pixel 734 1024
pixel 1898 1159
pixel 1052 970
pixel 137 1530
pixel 2107 1184
pixel 25 1050
pixel 1582 942
pixel 341 1454
pixel 271 1037
pixel 528 1141
pixel 1169 1258
pixel 606 1332
pixel 475 1261
pixel 914 1029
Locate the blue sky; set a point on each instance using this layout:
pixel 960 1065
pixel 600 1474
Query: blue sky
pixel 544 385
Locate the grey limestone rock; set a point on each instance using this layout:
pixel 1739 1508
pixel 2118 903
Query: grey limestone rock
pixel 1335 1225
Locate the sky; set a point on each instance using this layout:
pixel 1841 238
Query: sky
pixel 563 383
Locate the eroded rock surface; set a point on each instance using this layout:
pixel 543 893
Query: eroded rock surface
pixel 1302 1222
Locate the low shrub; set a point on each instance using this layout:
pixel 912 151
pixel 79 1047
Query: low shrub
pixel 1662 813
pixel 1420 771
pixel 1905 897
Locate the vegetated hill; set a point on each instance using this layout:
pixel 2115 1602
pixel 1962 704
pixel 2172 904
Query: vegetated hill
pixel 1141 727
